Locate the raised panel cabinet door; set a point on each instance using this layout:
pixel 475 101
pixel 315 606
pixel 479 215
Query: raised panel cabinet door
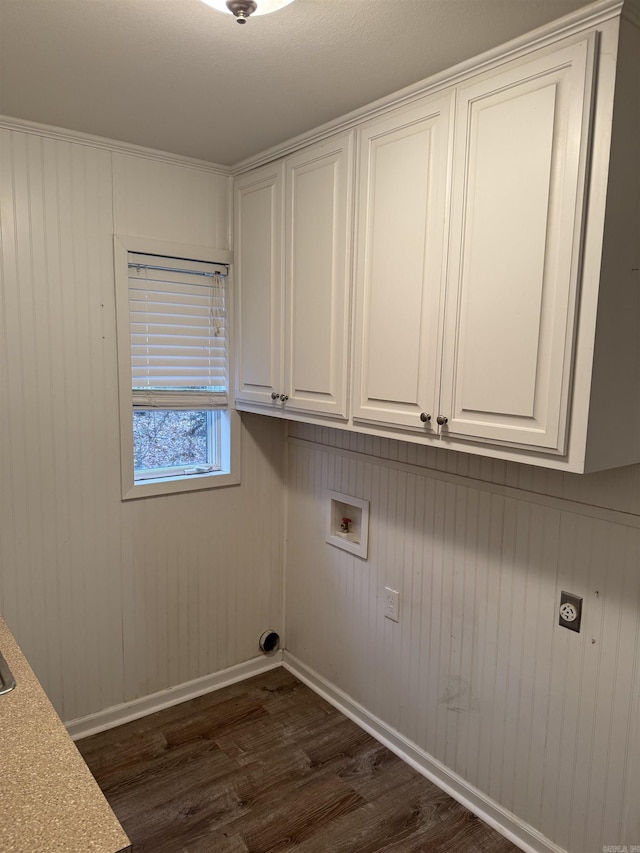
pixel 319 204
pixel 399 264
pixel 258 305
pixel 517 208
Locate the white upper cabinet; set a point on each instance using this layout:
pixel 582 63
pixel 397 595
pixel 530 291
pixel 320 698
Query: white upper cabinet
pixel 399 268
pixel 496 365
pixel 293 222
pixel 517 212
pixel 319 201
pixel 258 304
pixel 494 258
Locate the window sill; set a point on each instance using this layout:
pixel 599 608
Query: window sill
pixel 177 485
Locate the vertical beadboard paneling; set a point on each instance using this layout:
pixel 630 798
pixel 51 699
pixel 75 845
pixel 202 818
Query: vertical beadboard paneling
pixel 168 201
pixel 618 488
pixel 111 600
pixel 477 672
pixel 205 577
pixel 59 338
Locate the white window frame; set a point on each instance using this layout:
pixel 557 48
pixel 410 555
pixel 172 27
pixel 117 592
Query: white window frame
pixel 229 420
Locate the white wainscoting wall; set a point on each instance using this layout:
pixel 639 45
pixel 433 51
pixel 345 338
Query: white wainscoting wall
pixel 477 673
pixel 113 601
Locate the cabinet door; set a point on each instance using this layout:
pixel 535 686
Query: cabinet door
pixel 519 172
pixel 258 262
pixel 399 272
pixel 317 276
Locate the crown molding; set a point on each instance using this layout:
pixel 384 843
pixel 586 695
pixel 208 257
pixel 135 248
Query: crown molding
pixel 25 126
pixel 572 24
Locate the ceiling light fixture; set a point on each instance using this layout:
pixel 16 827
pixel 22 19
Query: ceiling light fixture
pixel 243 8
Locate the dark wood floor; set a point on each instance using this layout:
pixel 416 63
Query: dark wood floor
pixel 266 766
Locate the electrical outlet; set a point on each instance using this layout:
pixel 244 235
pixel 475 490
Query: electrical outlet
pixel 391 604
pixel 570 612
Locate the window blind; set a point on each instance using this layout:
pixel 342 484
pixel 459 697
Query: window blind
pixel 178 328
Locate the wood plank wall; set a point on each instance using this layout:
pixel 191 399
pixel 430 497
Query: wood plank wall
pixel 477 673
pixel 112 601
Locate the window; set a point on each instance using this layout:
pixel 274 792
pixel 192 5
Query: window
pixel 177 433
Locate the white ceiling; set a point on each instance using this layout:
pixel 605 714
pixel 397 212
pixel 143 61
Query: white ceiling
pixel 178 76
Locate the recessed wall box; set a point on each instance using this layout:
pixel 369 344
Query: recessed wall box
pixel 348 526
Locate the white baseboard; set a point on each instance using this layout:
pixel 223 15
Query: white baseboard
pixel 503 821
pixel 119 714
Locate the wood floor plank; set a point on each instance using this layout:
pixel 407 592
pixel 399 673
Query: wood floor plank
pixel 409 818
pixel 391 818
pixel 375 771
pixel 299 815
pixel 245 741
pixel 192 795
pixel 267 766
pixel 179 760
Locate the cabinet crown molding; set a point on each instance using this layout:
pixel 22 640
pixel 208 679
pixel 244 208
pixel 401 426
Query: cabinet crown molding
pixel 574 23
